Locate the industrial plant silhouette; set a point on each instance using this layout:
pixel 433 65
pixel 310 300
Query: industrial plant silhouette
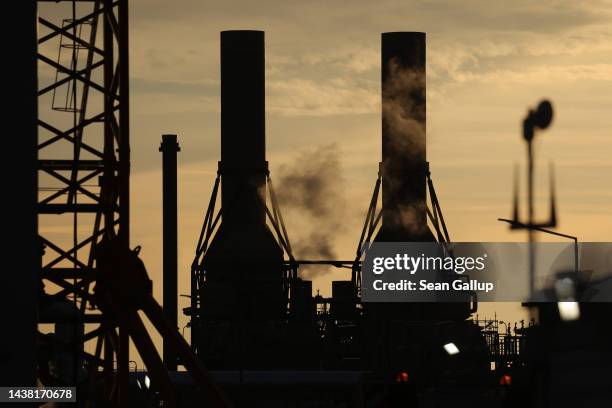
pixel 260 338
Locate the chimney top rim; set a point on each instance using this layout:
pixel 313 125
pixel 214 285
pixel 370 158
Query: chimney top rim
pixel 397 33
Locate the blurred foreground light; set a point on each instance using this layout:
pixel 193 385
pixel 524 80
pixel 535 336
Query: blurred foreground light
pixel 138 384
pixel 569 310
pixel 147 382
pixel 451 349
pixel 505 380
pixel 402 377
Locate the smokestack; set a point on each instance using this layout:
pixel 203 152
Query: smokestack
pixel 404 165
pixel 244 260
pixel 243 163
pixel 169 148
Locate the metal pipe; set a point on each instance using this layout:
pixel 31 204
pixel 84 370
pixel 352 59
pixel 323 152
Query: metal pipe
pixel 530 220
pixel 517 224
pixel 169 148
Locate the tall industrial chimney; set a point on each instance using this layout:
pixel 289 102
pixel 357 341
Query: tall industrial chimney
pixel 244 260
pixel 404 164
pixel 243 163
pixel 404 170
pixel 244 263
pixel 169 148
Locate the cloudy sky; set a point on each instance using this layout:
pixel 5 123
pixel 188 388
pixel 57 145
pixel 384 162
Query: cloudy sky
pixel 487 63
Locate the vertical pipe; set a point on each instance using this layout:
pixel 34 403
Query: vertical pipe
pixel 530 230
pixel 124 121
pixel 108 175
pixel 124 172
pixel 404 166
pixel 169 148
pixel 243 163
pixel 20 288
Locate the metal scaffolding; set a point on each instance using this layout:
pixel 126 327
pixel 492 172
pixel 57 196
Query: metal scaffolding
pixel 83 163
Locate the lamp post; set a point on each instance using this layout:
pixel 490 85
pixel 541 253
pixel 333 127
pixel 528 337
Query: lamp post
pixel 538 119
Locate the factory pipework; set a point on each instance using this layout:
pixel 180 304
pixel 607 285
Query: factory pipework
pixel 404 164
pixel 169 148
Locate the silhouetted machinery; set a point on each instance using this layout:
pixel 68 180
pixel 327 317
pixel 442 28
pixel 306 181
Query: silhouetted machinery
pixel 251 311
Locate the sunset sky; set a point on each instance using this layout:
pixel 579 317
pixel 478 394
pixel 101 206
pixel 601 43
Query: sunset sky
pixel 487 62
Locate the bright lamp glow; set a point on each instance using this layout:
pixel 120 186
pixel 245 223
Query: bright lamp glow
pixel 569 310
pixel 451 349
pixel 147 382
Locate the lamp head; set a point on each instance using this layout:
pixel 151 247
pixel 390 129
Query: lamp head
pixel 537 119
pixel 543 115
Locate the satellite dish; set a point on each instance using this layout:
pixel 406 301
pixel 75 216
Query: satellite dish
pixel 543 115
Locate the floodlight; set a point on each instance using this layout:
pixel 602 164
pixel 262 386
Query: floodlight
pixel 451 349
pixel 569 310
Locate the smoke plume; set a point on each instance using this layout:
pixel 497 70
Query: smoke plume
pixel 404 109
pixel 404 146
pixel 310 190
